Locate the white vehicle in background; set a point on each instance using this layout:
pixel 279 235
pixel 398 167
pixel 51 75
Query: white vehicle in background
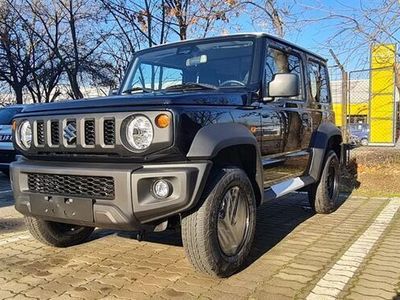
pixel 7 151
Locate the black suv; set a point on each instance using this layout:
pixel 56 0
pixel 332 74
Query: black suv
pixel 200 134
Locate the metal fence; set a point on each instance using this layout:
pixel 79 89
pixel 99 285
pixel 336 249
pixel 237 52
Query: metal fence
pixel 366 104
pixel 371 110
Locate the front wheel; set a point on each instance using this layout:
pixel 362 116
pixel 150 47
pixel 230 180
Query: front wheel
pixel 57 234
pixel 324 195
pixel 218 236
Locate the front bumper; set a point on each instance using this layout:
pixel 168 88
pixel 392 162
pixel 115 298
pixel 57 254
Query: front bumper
pixel 132 206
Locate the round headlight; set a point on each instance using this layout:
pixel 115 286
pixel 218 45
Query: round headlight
pixel 25 134
pixel 139 132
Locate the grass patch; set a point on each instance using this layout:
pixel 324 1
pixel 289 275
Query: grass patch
pixel 372 172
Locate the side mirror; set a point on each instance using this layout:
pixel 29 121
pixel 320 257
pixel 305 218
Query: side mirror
pixel 113 92
pixel 284 85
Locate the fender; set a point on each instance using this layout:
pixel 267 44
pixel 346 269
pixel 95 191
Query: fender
pixel 319 145
pixel 211 139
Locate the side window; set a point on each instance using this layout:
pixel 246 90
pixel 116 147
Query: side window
pixel 279 61
pixel 318 82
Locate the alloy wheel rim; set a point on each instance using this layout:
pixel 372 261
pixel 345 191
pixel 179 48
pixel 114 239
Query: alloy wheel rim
pixel 233 221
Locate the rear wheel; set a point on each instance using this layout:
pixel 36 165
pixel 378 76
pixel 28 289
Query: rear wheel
pixel 218 236
pixel 57 234
pixel 324 195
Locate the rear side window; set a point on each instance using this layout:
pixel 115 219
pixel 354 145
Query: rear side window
pixel 279 61
pixel 319 89
pixel 7 114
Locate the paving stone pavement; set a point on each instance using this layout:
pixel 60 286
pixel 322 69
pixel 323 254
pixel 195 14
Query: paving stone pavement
pixel 293 251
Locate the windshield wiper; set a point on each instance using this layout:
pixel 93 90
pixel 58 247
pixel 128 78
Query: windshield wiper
pixel 137 89
pixel 192 86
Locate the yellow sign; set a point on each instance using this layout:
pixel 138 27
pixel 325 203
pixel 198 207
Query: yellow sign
pixel 382 108
pixel 353 109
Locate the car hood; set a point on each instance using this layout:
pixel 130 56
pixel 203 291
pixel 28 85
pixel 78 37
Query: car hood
pixel 148 100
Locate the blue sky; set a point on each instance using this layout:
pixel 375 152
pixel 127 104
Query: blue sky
pixel 314 35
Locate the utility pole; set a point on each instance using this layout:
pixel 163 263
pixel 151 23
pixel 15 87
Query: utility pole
pixel 344 95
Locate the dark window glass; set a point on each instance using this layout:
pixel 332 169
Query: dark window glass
pixel 318 82
pixel 225 64
pixel 278 61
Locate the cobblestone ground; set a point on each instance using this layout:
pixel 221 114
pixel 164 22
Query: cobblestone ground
pixel 352 254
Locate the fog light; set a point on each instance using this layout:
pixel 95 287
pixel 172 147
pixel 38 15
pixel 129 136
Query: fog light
pixel 161 188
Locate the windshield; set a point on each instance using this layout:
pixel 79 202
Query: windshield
pixel 7 114
pixel 192 66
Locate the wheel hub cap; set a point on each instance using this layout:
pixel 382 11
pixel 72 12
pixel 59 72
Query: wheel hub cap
pixel 233 221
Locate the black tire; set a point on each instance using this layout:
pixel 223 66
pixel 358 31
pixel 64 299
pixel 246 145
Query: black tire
pixel 57 234
pixel 324 195
pixel 201 229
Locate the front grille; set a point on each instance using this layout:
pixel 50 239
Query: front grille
pixel 81 135
pixel 97 187
pixel 40 132
pixel 90 136
pixel 55 133
pixel 109 132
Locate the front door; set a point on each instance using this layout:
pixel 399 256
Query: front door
pixel 286 123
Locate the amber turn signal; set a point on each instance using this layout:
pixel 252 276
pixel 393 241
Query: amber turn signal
pixel 162 121
pixel 14 125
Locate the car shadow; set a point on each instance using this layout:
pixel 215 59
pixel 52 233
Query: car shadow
pixel 276 219
pixel 349 177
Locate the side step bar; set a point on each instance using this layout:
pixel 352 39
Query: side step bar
pixel 286 187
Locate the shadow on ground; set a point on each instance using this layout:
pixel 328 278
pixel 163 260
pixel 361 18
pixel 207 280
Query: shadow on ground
pixel 276 219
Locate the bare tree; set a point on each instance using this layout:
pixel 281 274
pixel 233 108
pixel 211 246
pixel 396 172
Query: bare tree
pixel 355 28
pixel 145 23
pixel 275 16
pixel 69 30
pixel 15 51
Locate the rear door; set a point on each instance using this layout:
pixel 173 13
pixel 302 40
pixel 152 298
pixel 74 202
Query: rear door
pixel 319 101
pixel 286 121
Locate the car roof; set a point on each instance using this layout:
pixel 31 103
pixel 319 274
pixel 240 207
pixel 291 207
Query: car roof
pixel 241 35
pixel 14 106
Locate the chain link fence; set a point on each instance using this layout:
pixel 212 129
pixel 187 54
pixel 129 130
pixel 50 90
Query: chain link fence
pixel 371 106
pixel 366 105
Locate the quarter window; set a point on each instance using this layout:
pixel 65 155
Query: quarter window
pixel 278 61
pixel 318 82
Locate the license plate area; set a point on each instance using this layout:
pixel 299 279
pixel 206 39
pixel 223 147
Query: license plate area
pixel 71 208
